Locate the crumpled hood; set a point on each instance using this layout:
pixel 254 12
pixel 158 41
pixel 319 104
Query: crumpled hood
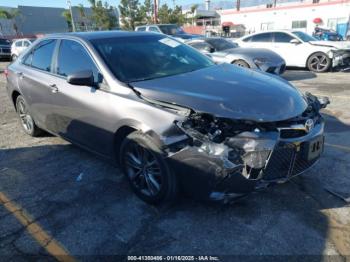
pixel 228 91
pixel 336 44
pixel 254 53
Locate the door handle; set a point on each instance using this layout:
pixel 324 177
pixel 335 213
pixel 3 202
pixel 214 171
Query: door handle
pixel 19 74
pixel 54 88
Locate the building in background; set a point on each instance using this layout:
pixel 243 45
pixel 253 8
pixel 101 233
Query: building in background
pixel 303 15
pixel 35 21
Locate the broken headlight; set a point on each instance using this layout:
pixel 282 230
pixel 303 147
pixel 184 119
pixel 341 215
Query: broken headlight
pixel 260 61
pixel 256 159
pixel 257 147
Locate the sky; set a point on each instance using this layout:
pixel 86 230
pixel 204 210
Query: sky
pixel 63 3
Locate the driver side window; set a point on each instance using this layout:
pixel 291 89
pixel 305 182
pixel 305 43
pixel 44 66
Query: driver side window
pixel 202 46
pixel 72 58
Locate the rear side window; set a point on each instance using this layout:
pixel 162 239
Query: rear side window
pixel 153 29
pixel 141 29
pixel 72 58
pixel 26 43
pixel 201 45
pixel 42 55
pixel 264 37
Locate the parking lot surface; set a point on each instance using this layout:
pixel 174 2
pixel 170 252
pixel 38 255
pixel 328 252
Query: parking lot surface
pixel 58 200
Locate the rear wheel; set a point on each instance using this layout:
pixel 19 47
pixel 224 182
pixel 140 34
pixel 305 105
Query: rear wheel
pixel 14 57
pixel 319 62
pixel 147 171
pixel 241 63
pixel 26 119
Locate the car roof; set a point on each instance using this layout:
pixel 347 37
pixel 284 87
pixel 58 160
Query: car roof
pixel 272 31
pixel 98 34
pixel 21 39
pixel 156 25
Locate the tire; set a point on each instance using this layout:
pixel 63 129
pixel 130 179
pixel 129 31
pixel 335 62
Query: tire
pixel 144 166
pixel 319 62
pixel 241 63
pixel 27 122
pixel 14 57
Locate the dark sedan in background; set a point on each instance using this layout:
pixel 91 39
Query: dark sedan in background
pixel 225 51
pixel 169 115
pixel 167 29
pixel 5 48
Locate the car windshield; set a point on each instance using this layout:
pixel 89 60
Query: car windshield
pixel 140 58
pixel 221 44
pixel 4 42
pixel 171 29
pixel 304 37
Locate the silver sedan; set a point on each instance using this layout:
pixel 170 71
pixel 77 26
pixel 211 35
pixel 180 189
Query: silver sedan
pixel 224 51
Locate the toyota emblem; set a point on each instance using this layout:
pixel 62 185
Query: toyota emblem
pixel 309 125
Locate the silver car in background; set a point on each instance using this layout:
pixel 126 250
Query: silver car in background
pixel 224 51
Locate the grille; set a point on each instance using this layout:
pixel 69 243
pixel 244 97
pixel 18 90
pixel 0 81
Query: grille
pixel 292 133
pixel 287 161
pixel 280 162
pixel 5 50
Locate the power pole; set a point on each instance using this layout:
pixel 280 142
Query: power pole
pixel 238 5
pixel 71 14
pixel 274 3
pixel 155 11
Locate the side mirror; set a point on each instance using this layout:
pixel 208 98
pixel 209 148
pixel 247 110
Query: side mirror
pixel 295 41
pixel 82 78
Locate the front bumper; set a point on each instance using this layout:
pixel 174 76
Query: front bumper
pixel 5 55
pixel 341 59
pixel 205 176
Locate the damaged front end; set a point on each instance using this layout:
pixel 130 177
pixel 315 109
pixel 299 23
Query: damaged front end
pixel 341 58
pixel 225 158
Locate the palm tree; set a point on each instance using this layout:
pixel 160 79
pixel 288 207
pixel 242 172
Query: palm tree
pixel 193 11
pixel 66 14
pixel 10 15
pixel 81 10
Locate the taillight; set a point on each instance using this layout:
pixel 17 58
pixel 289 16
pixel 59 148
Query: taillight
pixel 6 72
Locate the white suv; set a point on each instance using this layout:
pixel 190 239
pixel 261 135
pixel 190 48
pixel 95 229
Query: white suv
pixel 19 45
pixel 300 49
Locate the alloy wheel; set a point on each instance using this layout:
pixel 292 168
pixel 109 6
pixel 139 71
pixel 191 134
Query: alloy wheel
pixel 319 63
pixel 143 170
pixel 26 120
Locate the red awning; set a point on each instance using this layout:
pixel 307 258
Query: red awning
pixel 317 20
pixel 227 24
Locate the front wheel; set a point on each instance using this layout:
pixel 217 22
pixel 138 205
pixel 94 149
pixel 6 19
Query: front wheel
pixel 14 57
pixel 241 63
pixel 147 171
pixel 319 62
